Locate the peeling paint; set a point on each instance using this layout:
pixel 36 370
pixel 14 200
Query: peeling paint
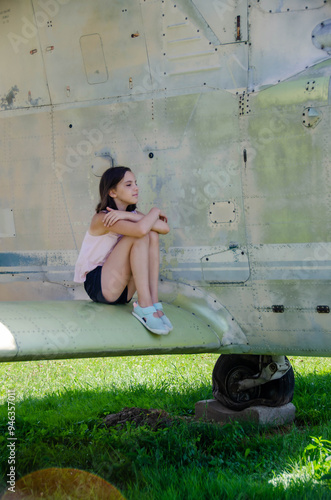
pixel 33 102
pixel 7 102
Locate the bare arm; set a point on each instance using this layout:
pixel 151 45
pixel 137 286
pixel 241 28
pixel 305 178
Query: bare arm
pixel 161 226
pixel 113 216
pixel 137 229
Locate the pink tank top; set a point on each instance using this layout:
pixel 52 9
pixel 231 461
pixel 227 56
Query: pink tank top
pixel 94 252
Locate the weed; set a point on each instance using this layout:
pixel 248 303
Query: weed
pixel 60 411
pixel 317 457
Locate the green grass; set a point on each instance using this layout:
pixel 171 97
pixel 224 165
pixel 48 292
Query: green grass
pixel 60 406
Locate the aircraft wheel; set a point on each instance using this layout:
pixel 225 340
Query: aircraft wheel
pixel 232 368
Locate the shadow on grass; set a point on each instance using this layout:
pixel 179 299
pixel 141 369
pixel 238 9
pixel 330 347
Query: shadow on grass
pixel 65 429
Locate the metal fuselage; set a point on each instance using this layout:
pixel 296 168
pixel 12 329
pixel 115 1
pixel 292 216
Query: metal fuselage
pixel 221 109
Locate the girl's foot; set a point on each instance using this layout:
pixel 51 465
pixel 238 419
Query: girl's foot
pixel 163 317
pixel 146 316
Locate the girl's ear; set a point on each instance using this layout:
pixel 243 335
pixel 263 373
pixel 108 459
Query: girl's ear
pixel 112 193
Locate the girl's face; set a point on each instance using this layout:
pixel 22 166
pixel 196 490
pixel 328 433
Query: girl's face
pixel 126 191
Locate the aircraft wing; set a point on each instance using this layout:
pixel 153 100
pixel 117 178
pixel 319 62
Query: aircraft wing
pixel 222 109
pixel 77 329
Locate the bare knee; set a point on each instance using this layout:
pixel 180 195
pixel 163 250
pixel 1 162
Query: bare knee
pixel 132 239
pixel 153 238
pixel 142 242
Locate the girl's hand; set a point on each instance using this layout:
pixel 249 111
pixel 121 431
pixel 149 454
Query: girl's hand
pixel 113 216
pixel 163 216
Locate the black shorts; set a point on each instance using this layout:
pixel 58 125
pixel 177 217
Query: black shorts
pixel 92 287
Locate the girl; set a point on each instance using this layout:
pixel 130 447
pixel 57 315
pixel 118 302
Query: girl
pixel 120 251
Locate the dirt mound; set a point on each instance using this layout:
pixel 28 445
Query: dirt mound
pixel 155 419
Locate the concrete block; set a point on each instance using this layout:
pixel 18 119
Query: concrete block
pixel 211 409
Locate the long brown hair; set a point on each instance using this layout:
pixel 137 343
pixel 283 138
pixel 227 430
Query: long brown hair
pixel 109 180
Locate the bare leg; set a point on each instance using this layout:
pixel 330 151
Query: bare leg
pixel 135 262
pixel 154 265
pixel 139 261
pixel 128 265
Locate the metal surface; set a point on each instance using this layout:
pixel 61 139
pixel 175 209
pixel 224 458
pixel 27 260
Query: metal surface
pixel 272 371
pixel 61 329
pixel 222 110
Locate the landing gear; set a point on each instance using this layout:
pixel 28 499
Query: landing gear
pixel 241 381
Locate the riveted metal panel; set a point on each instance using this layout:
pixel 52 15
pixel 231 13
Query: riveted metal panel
pixel 227 19
pixel 55 330
pixel 7 225
pixel 119 57
pixel 21 54
pixel 94 59
pixel 275 57
pixel 200 122
pixel 289 5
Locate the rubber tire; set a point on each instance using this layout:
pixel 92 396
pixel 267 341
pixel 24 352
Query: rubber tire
pixel 229 367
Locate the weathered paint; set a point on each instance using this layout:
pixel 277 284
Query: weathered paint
pixel 176 95
pixel 55 330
